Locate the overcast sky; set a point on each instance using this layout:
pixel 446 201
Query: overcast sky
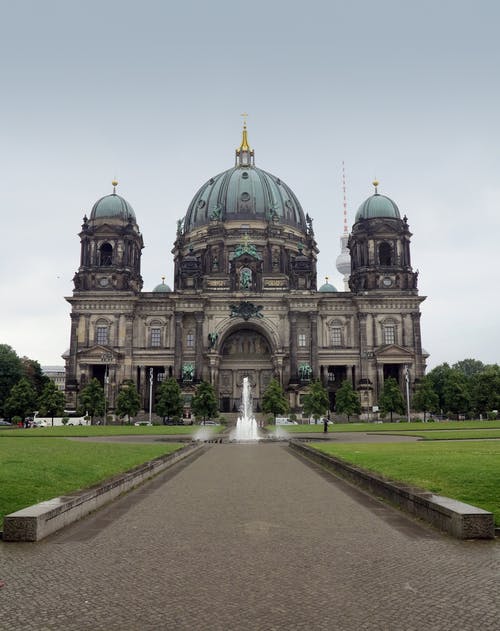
pixel 151 92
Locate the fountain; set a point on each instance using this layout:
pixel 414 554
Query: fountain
pixel 246 425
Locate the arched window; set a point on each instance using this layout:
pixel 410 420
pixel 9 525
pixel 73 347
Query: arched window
pixel 102 332
pixel 155 334
pixel 389 332
pixel 385 254
pixel 106 255
pixel 336 333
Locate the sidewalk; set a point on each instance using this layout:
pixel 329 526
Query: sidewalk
pixel 249 537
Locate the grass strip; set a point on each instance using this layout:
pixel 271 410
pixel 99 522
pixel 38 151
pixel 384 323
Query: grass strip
pixel 34 470
pixel 466 471
pixel 392 427
pixel 107 430
pixel 450 434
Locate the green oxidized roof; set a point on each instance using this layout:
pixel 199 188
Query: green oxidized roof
pixel 161 288
pixel 112 206
pixel 244 192
pixel 327 287
pixel 377 206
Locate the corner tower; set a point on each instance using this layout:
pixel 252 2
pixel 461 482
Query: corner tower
pixel 380 248
pixel 111 245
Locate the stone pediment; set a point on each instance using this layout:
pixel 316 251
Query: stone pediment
pixel 393 353
pixel 95 354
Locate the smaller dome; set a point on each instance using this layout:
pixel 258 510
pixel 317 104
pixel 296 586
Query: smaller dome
pixel 161 288
pixel 112 206
pixel 378 206
pixel 327 287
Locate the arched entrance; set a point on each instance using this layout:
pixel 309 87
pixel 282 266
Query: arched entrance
pixel 245 352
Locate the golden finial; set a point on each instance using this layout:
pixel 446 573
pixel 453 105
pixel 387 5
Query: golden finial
pixel 375 184
pixel 114 184
pixel 326 280
pixel 244 142
pixel 163 280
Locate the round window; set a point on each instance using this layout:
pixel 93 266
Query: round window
pixel 244 197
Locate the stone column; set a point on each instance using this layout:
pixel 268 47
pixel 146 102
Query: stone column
pixel 129 348
pixel 293 344
pixel 87 330
pixel 380 379
pixel 313 320
pixel 199 316
pixel 363 345
pixel 73 346
pixel 178 344
pixel 142 388
pixel 417 342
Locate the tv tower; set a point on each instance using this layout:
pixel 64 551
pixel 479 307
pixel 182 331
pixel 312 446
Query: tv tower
pixel 343 261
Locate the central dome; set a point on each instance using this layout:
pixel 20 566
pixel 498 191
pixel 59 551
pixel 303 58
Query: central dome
pixel 242 193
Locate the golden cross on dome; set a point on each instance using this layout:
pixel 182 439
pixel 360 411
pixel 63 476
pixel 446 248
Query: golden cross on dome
pixel 245 116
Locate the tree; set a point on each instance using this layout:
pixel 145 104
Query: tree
pixel 204 403
pixel 316 401
pixel 391 400
pixel 437 377
pixel 128 402
pixel 33 372
pixel 485 390
pixel 347 400
pixel 169 400
pixel 10 372
pixel 425 399
pixel 51 401
pixel 469 367
pixel 274 399
pixel 92 399
pixel 456 395
pixel 22 399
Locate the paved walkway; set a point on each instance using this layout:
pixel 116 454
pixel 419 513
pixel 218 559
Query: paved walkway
pixel 249 537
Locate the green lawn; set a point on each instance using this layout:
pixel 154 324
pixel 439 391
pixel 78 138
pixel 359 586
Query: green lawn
pixel 392 427
pixel 451 434
pixel 467 471
pixel 33 470
pixel 107 430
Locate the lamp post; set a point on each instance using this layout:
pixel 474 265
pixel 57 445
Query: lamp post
pixel 150 394
pixel 106 358
pixel 407 379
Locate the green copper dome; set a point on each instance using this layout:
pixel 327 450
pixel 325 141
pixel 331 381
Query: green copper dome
pixel 112 206
pixel 161 288
pixel 245 192
pixel 378 206
pixel 327 287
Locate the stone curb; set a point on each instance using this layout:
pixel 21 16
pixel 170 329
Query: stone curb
pixel 458 519
pixel 36 522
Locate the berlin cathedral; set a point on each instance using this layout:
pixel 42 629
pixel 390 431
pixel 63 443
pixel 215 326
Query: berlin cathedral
pixel 245 301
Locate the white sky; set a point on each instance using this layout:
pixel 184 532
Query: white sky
pixel 151 92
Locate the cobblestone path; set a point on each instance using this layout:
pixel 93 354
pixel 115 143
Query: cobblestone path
pixel 249 537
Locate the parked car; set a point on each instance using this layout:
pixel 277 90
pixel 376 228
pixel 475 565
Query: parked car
pixel 209 422
pixel 5 423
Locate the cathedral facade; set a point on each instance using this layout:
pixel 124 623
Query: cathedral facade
pixel 245 301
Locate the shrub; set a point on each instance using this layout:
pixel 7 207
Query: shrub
pixel 16 420
pixel 65 420
pixel 492 416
